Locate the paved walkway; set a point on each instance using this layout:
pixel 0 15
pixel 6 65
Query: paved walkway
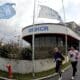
pixel 67 74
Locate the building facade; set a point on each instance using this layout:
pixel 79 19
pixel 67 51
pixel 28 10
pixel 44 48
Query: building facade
pixel 49 35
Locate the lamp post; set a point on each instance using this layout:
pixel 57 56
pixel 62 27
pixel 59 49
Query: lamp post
pixel 66 46
pixel 33 37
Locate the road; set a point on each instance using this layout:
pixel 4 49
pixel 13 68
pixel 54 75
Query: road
pixel 67 74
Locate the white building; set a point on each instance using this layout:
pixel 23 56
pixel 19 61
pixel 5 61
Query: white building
pixel 49 35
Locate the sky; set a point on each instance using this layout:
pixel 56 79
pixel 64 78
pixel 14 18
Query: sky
pixel 11 28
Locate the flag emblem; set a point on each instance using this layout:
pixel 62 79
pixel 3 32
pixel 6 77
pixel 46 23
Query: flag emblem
pixel 7 10
pixel 47 12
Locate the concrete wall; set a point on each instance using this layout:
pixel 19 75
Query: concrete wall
pixel 24 66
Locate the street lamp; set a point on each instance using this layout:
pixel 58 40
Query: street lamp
pixel 66 46
pixel 33 37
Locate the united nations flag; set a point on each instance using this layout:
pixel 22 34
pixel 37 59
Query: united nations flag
pixel 7 10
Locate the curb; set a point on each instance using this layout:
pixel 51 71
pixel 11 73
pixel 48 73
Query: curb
pixel 52 75
pixel 3 78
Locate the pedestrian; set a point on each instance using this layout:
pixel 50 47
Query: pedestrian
pixel 73 55
pixel 58 57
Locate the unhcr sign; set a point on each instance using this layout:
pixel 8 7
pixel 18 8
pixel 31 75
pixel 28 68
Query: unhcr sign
pixel 38 29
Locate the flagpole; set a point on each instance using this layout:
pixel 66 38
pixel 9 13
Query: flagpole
pixel 33 37
pixel 66 46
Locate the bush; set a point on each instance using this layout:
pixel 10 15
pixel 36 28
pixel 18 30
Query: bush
pixel 9 51
pixel 3 53
pixel 26 54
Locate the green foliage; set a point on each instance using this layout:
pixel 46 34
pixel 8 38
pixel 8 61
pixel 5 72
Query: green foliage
pixel 3 52
pixel 26 53
pixel 14 51
pixel 9 51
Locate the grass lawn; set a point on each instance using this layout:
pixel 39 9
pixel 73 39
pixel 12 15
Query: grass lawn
pixel 29 76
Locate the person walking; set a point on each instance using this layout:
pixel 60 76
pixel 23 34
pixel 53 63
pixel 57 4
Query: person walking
pixel 58 57
pixel 73 55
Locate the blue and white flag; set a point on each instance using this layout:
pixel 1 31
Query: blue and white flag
pixel 7 11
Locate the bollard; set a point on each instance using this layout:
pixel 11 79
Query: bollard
pixel 9 67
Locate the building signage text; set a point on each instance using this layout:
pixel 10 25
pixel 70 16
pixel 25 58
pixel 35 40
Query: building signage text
pixel 38 29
